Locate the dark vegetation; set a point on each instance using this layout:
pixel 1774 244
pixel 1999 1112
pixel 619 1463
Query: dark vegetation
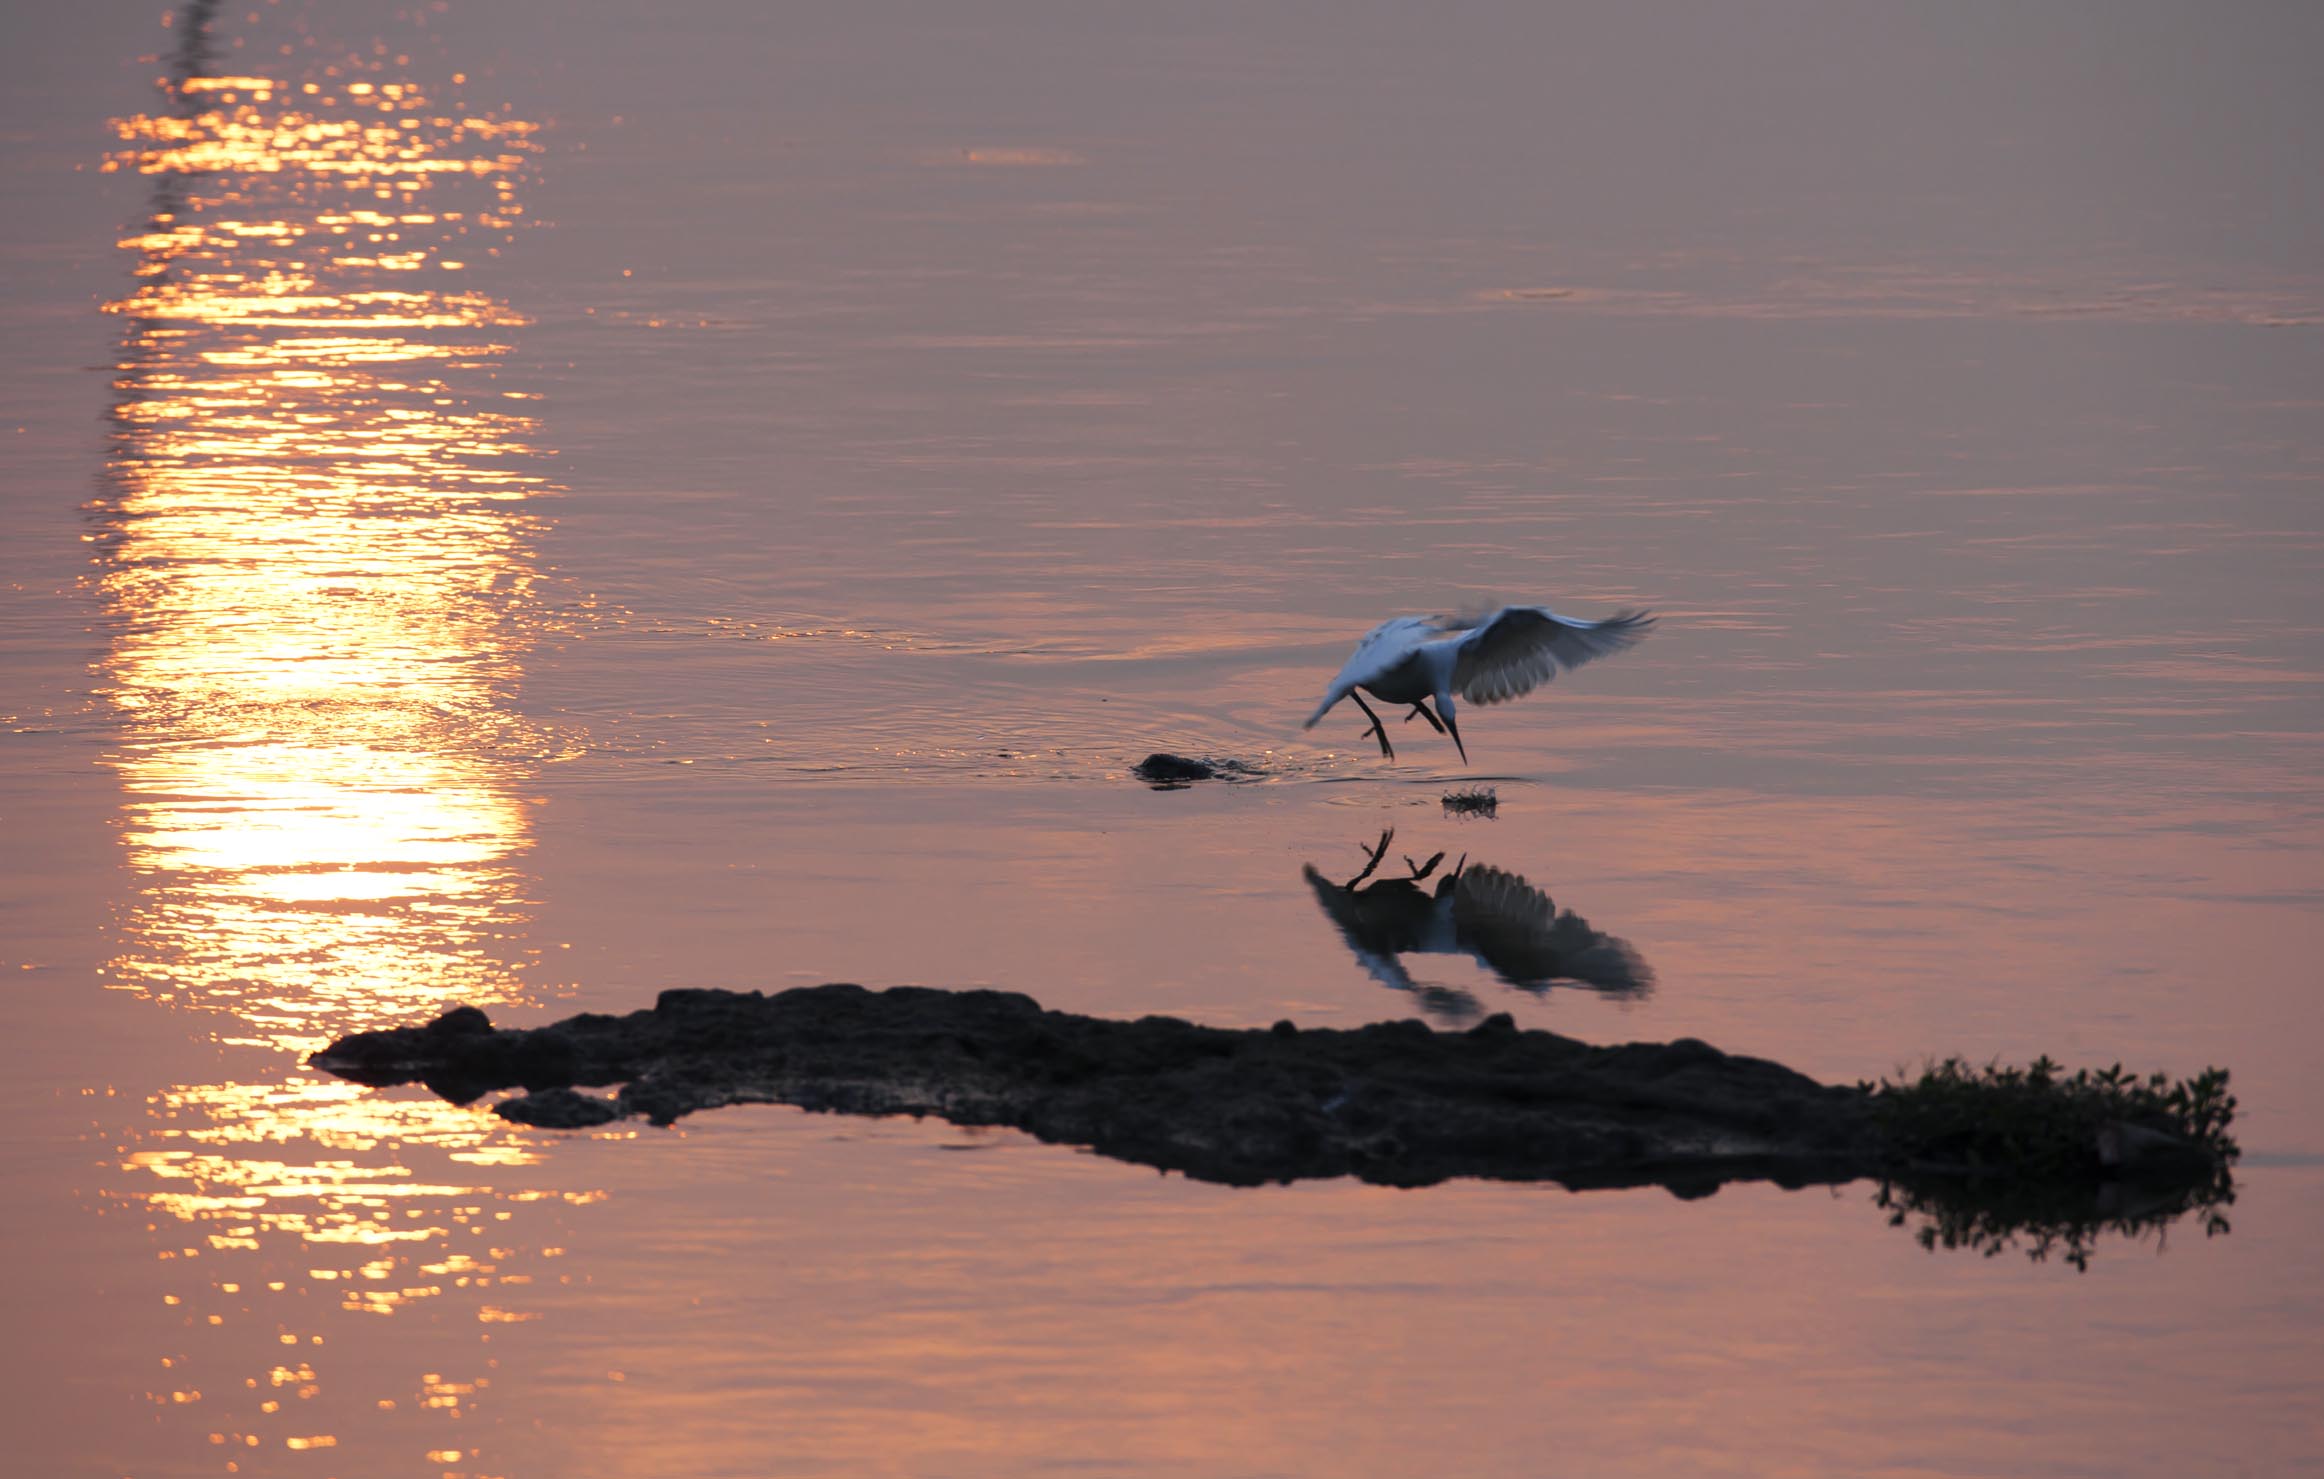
pixel 1996 1157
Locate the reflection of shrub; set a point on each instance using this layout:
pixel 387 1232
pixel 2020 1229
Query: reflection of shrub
pixel 1993 1158
pixel 1477 801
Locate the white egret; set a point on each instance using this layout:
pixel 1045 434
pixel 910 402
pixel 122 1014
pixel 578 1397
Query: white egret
pixel 1488 659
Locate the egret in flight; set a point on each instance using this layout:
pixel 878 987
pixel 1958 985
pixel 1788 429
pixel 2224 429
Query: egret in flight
pixel 1489 659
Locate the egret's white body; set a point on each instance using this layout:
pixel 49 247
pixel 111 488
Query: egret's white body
pixel 1488 659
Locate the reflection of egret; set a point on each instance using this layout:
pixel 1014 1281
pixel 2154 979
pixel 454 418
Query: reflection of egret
pixel 1507 925
pixel 1488 659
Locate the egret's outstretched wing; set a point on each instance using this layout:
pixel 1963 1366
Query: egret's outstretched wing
pixel 1521 647
pixel 1507 923
pixel 1604 962
pixel 1381 649
pixel 1527 941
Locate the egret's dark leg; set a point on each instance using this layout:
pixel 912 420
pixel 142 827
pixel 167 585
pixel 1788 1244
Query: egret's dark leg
pixel 1373 862
pixel 1422 710
pixel 1422 870
pixel 1378 729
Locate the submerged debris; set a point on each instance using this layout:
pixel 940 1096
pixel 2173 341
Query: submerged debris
pixel 1477 801
pixel 1983 1156
pixel 560 1109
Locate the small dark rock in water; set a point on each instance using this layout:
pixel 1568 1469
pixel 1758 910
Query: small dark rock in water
pixel 1480 801
pixel 559 1109
pixel 1162 769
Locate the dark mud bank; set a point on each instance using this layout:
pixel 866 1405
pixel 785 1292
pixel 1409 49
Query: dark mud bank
pixel 1395 1102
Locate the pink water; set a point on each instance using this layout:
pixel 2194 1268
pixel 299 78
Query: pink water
pixel 848 442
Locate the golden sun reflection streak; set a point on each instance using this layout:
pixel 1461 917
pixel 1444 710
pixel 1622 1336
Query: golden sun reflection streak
pixel 315 548
pixel 316 553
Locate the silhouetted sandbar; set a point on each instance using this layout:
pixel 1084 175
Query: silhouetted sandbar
pixel 1395 1102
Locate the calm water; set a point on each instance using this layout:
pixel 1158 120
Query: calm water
pixel 533 504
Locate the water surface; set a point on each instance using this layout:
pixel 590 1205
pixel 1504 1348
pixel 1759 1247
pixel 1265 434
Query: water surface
pixel 535 505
